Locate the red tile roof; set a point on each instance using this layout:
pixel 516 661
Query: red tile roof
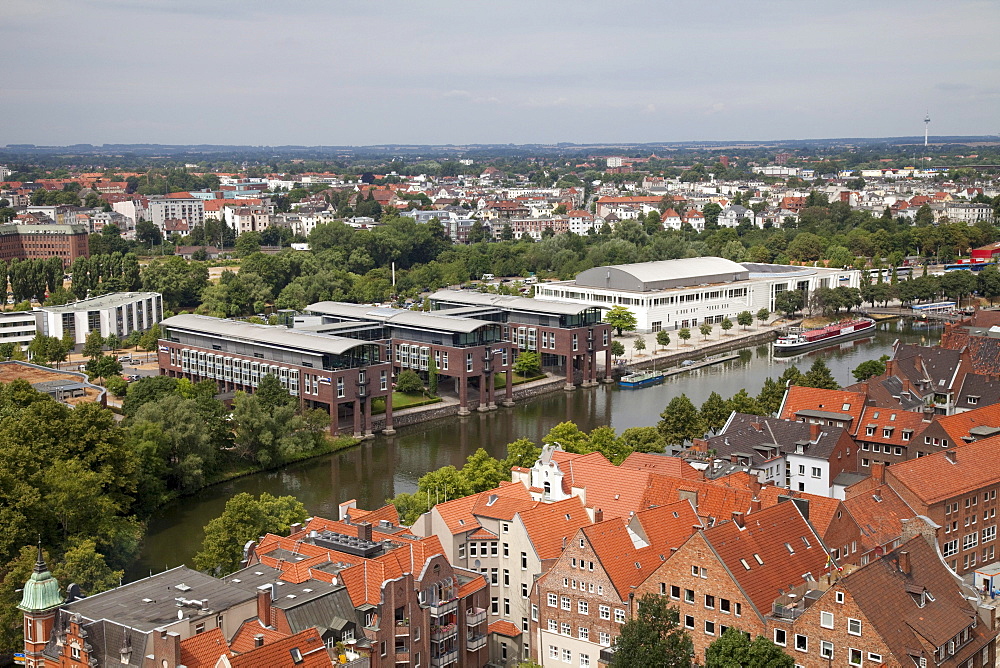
pixel 896 421
pixel 957 426
pixel 204 649
pixel 302 650
pixel 878 511
pixel 243 641
pixel 833 401
pixel 948 473
pixel 504 628
pixel 459 514
pixel 549 524
pixel 672 466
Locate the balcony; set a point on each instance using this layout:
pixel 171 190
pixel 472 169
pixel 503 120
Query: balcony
pixel 445 659
pixel 475 643
pixel 444 632
pixel 402 655
pixel 443 607
pixel 787 612
pixel 475 616
pixel 402 628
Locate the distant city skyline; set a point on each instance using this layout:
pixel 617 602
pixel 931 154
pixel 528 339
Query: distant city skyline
pixel 449 72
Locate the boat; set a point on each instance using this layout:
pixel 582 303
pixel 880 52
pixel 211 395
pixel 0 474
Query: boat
pixel 795 341
pixel 641 379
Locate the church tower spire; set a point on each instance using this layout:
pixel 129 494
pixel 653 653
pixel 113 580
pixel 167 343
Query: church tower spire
pixel 39 603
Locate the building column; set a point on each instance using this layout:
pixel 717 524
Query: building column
pixel 570 359
pixel 463 395
pixel 388 430
pixel 357 418
pixel 484 394
pixel 491 380
pixel 368 417
pixel 334 419
pixel 607 365
pixel 508 395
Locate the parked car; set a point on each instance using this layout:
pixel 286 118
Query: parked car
pixel 125 359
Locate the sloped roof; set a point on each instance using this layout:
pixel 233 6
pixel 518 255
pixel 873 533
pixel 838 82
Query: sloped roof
pixel 948 473
pixel 878 511
pixel 204 649
pixel 280 653
pixel 663 274
pixel 659 463
pixel 549 524
pixel 504 628
pixel 765 534
pixel 822 509
pixel 798 398
pixel 459 515
pixel 243 641
pixel 897 421
pixel 958 426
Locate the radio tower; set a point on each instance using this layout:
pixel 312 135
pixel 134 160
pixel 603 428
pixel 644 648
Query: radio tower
pixel 927 122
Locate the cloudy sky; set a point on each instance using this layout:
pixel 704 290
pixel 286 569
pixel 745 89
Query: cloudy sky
pixel 336 72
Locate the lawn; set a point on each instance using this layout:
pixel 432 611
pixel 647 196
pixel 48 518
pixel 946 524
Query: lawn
pixel 500 380
pixel 401 401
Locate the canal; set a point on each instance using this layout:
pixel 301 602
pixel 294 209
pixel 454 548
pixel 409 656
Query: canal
pixel 378 469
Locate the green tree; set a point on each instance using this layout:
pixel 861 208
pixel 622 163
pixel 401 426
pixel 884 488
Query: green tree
pixel 622 319
pixel 653 638
pixel 733 649
pixel 820 376
pixel 744 319
pixel 113 343
pixel 271 394
pixel 662 338
pixel 523 452
pixel 149 339
pixel 93 347
pixel 763 315
pixel 408 382
pixel 248 243
pixel 642 439
pixel 680 421
pixel 705 329
pixel 483 472
pixel 432 377
pixel 528 364
pixel 715 411
pixel 684 334
pixel 104 366
pixel 117 386
pixel 726 325
pixel 569 437
pixel 617 349
pixel 639 344
pixel 245 518
pixel 788 302
pixel 771 395
pixel 870 368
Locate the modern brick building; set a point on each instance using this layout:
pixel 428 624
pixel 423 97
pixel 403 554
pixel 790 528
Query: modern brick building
pixel 40 242
pixel 341 375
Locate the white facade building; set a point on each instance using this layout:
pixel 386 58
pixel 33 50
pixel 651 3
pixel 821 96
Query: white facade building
pixel 118 313
pixel 672 294
pixel 191 210
pixel 17 327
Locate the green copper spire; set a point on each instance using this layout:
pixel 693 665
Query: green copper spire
pixel 41 591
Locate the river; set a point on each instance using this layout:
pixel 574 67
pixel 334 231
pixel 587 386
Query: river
pixel 378 469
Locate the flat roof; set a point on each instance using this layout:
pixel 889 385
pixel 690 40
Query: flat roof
pixel 660 274
pixel 109 300
pixel 273 335
pixel 435 320
pixel 151 603
pixel 474 298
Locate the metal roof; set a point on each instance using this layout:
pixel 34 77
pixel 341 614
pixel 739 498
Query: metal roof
pixel 97 303
pixel 663 274
pixel 434 321
pixel 474 298
pixel 272 335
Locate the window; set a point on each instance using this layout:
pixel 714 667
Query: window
pixel 553 652
pixel 675 591
pixel 688 622
pixel 709 628
pixel 780 637
pixel 826 649
pixel 553 600
pixel 854 656
pixel 75 652
pixel 950 548
pixel 584 660
pixel 840 597
pixel 801 643
pixel 506 551
pixel 565 602
pixel 689 595
pixel 495 605
pixel 605 639
pixel 709 601
pixel 802 469
pixel 566 629
pixel 583 607
pixel 970 541
pixel 524 590
pixel 524 561
pixel 816 472
pixel 534 612
pixel 553 626
pixel 877 658
pixel 567 656
pixel 826 619
pixel 854 626
pixel 583 633
pixel 724 605
pixel 605 612
pixel 619 616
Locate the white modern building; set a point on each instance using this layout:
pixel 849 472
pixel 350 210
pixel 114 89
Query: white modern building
pixel 17 327
pixel 189 209
pixel 672 294
pixel 118 313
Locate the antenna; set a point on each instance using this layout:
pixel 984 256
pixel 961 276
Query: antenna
pixel 927 122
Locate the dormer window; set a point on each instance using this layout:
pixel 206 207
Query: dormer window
pixel 973 400
pixel 869 431
pixel 887 432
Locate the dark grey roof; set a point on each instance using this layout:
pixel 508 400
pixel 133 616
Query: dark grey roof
pixel 846 479
pixel 332 610
pixel 752 436
pixel 826 415
pixel 393 316
pixel 152 602
pixel 271 335
pixel 507 302
pixel 930 363
pixel 984 389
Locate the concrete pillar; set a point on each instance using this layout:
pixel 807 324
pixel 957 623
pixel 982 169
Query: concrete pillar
pixel 484 396
pixel 357 419
pixel 569 386
pixel 388 431
pixel 508 395
pixel 463 395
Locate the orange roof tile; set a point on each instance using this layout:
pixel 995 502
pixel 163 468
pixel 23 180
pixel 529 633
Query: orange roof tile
pixel 204 649
pixel 878 511
pixel 459 514
pixel 307 645
pixel 243 641
pixel 822 509
pixel 504 628
pixel 799 398
pixel 895 421
pixel 549 524
pixel 958 425
pixel 672 466
pixel 948 473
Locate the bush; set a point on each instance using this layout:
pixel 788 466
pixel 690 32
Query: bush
pixel 117 385
pixel 409 382
pixel 528 364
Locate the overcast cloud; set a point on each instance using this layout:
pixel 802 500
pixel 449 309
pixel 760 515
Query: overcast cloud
pixel 343 72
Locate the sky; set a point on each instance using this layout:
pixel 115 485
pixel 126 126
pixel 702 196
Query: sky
pixel 346 72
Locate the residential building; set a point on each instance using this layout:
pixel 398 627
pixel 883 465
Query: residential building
pixel 341 375
pixel 672 294
pixel 968 213
pixel 189 209
pixel 729 575
pixel 18 327
pixel 118 313
pixel 40 242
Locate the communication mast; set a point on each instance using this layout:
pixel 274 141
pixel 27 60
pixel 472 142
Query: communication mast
pixel 927 122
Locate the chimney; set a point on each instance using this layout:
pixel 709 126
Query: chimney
pixel 699 445
pixel 754 504
pixel 738 518
pixel 814 431
pixel 265 594
pixel 598 515
pixel 365 531
pixel 878 472
pixel 951 455
pixel 295 528
pixel 904 562
pixel 167 648
pixel 890 367
pixel 927 414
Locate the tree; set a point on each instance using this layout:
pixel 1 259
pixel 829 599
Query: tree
pixel 245 519
pixel 680 421
pixel 483 472
pixel 726 325
pixel 408 382
pixel 104 366
pixel 715 411
pixel 432 377
pixel 639 344
pixel 653 638
pixel 763 315
pixel 149 339
pixel 271 394
pixel 617 349
pixel 870 368
pixel 662 338
pixel 248 243
pixel 528 364
pixel 569 437
pixel 642 439
pixel 93 346
pixel 684 334
pixel 744 318
pixel 789 301
pixel 621 319
pixel 733 649
pixel 705 329
pixel 820 376
pixel 522 452
pixel 46 349
pixel 114 343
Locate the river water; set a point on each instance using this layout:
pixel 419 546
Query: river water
pixel 378 469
